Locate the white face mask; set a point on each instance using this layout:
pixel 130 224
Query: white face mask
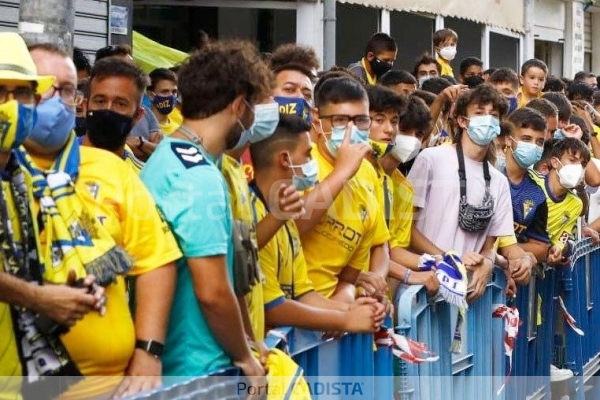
pixel 570 175
pixel 448 53
pixel 405 148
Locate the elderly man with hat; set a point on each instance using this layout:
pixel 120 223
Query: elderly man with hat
pixel 26 306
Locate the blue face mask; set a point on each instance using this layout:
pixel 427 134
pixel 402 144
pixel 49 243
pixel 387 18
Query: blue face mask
pixel 164 104
pixel 310 170
pixel 16 122
pixel 54 123
pixel 483 129
pixel 526 154
pixel 559 134
pixel 337 137
pixel 297 106
pixel 512 104
pixel 243 140
pixel 266 119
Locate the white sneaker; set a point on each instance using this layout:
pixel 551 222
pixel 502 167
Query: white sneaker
pixel 559 375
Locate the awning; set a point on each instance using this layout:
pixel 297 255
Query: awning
pixel 506 14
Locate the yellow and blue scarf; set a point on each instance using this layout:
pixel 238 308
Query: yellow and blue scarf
pixel 75 240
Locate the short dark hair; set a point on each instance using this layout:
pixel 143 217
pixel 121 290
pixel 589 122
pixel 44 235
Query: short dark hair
pixel 50 48
pixel 81 61
pixel 295 54
pixel 581 76
pixel 502 75
pixel 558 147
pixel 417 116
pixel 426 59
pixel 285 136
pixel 506 128
pixel 382 99
pixel 435 85
pixel 214 76
pixel 113 50
pixel 580 91
pixel 116 67
pixel 554 84
pixel 489 71
pixel 469 62
pixel 543 106
pixel 528 118
pixel 161 74
pixel 482 95
pixel 565 110
pixel 380 42
pixel 442 35
pixel 396 76
pixel 336 90
pixel 427 97
pixel 533 63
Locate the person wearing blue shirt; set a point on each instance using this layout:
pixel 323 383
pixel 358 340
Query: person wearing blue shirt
pixel 206 331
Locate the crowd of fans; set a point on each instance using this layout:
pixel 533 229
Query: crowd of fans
pixel 160 225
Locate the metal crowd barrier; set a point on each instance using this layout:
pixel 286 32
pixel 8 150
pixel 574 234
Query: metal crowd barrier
pixel 478 371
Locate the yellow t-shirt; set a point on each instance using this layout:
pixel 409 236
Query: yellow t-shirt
pixel 402 210
pixel 505 241
pixel 10 364
pixel 353 224
pixel 240 205
pixel 562 213
pixel 446 67
pixel 282 261
pixel 522 100
pixel 176 117
pixel 103 345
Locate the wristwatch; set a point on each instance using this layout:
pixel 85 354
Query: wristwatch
pixel 151 346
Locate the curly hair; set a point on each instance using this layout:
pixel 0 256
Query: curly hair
pixel 482 95
pixel 416 116
pixel 291 53
pixel 212 78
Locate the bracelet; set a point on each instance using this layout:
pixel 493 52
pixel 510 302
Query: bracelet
pixel 407 276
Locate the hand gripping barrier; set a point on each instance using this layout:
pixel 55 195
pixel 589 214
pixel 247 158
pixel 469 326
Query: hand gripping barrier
pixel 477 371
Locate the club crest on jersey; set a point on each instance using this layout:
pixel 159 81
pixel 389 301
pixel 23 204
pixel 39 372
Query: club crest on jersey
pixel 527 207
pixel 93 187
pixel 189 155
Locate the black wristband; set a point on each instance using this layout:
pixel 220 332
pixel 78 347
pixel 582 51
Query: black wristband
pixel 151 346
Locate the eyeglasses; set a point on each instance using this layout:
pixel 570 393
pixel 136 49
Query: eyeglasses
pixel 69 94
pixel 23 94
pixel 341 121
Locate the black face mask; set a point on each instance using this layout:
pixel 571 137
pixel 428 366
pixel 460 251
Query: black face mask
pixel 379 67
pixel 80 126
pixel 107 129
pixel 473 81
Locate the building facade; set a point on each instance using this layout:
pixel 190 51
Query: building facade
pixel 563 33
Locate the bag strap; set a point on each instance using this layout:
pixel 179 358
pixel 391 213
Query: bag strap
pixel 462 175
pixel 386 201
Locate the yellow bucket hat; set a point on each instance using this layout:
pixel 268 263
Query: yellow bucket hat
pixel 17 64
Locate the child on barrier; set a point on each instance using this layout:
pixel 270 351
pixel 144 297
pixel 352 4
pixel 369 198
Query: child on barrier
pixel 444 43
pixel 282 160
pixel 469 213
pixel 532 79
pixel 565 160
pixel 379 58
pixel 390 146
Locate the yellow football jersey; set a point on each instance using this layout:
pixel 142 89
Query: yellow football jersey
pixel 242 210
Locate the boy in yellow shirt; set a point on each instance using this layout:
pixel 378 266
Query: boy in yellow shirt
pixel 290 299
pixel 352 236
pixel 444 43
pixel 533 78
